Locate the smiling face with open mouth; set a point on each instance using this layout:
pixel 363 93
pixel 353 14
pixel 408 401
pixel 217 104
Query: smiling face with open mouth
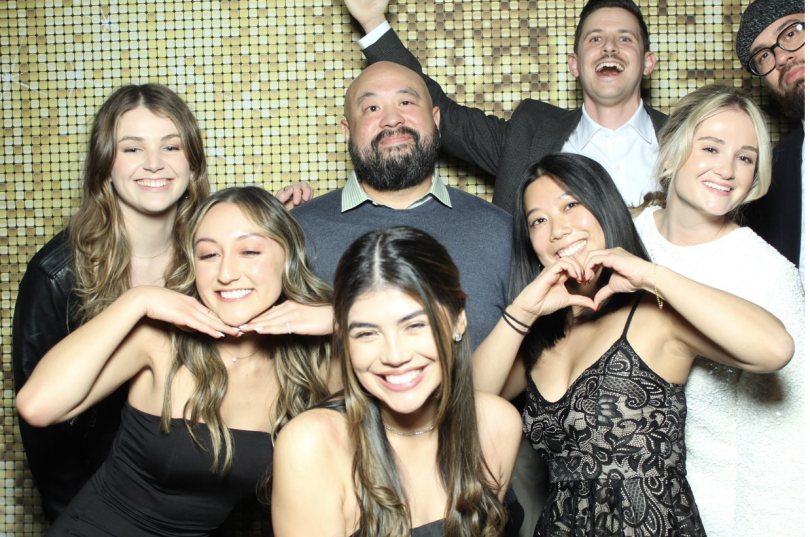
pixel 611 60
pixel 393 352
pixel 719 172
pixel 238 269
pixel 151 171
pixel 559 225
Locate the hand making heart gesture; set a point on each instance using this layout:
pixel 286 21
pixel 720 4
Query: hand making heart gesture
pixel 548 292
pixel 630 273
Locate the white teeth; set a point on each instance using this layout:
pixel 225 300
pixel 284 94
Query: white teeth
pixel 404 378
pixel 609 64
pixel 236 293
pixel 153 183
pixel 572 250
pixel 716 186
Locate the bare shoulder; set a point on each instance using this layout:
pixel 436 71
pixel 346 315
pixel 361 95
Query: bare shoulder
pixel 497 416
pixel 318 433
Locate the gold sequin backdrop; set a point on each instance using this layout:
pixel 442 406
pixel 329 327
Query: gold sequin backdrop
pixel 266 81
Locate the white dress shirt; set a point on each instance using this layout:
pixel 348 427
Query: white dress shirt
pixel 627 153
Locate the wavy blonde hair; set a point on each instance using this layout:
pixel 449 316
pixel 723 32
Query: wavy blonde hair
pixel 98 238
pixel 677 137
pixel 414 262
pixel 302 362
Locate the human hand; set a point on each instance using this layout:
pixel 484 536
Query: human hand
pixel 630 273
pixel 548 293
pixel 292 317
pixel 369 13
pixel 183 311
pixel 294 195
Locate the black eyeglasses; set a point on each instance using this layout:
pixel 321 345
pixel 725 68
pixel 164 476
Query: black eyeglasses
pixel 790 39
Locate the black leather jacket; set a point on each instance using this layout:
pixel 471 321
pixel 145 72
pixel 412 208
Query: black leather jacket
pixel 61 457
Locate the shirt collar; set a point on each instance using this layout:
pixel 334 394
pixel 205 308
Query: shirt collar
pixel 587 128
pixel 353 194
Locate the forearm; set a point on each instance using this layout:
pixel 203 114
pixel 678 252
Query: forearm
pixel 747 333
pixel 67 373
pixel 496 357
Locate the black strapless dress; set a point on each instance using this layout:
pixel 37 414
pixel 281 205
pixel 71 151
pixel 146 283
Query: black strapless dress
pixel 154 484
pixel 615 449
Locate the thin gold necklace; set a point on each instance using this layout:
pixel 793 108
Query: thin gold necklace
pixel 415 433
pixel 153 256
pixel 234 357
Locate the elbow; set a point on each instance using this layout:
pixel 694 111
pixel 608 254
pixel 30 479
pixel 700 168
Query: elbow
pixel 31 409
pixel 779 353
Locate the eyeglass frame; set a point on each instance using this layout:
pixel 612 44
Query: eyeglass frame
pixel 772 49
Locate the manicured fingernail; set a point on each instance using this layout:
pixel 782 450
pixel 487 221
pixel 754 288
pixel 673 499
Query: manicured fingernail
pixel 243 326
pixel 286 188
pixel 220 334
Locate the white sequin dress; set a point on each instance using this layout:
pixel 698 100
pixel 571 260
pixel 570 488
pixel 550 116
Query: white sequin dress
pixel 744 432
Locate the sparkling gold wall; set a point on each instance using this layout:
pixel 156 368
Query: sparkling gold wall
pixel 266 81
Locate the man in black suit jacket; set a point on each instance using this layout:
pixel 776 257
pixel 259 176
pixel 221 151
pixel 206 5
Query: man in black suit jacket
pixel 770 44
pixel 611 56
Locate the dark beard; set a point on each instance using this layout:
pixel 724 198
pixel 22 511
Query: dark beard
pixel 400 168
pixel 791 99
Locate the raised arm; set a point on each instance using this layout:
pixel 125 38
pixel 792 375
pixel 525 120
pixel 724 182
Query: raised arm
pixel 706 321
pixel 106 352
pixel 467 133
pixel 310 464
pixel 497 365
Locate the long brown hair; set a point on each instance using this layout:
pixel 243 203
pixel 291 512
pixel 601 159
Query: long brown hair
pixel 415 263
pixel 98 238
pixel 301 362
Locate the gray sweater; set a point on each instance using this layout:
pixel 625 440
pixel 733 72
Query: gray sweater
pixel 476 233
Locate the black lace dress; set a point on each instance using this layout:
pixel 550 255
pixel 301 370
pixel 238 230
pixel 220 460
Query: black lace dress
pixel 615 449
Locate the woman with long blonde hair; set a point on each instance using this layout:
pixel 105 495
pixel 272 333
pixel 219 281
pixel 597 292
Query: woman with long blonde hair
pixel 410 446
pixel 205 399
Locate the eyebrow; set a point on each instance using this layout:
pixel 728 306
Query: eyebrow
pixel 366 94
pixel 239 238
pixel 403 320
pixel 561 196
pixel 620 30
pixel 723 142
pixel 139 139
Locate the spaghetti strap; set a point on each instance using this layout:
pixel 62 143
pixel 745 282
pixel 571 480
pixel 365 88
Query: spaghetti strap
pixel 632 312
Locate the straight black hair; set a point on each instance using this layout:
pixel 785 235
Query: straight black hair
pixel 590 184
pixel 627 5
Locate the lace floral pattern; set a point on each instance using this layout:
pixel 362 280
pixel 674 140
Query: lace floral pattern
pixel 615 449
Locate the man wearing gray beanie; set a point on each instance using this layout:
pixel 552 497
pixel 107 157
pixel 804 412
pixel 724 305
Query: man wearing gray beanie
pixel 770 45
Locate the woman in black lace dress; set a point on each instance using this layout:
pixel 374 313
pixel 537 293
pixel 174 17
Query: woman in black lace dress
pixel 602 340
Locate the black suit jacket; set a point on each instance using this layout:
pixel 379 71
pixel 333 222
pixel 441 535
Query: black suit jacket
pixel 502 148
pixel 777 216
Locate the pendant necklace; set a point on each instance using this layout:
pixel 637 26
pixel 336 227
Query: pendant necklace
pixel 234 357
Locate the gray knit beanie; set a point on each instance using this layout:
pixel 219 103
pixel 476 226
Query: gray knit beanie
pixel 759 15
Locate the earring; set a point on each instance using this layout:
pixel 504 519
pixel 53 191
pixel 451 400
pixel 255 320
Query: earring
pixel 458 337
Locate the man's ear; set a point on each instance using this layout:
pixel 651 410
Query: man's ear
pixel 649 63
pixel 573 68
pixel 344 126
pixel 437 116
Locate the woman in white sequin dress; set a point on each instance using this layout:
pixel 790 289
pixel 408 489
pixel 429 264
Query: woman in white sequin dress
pixel 744 432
